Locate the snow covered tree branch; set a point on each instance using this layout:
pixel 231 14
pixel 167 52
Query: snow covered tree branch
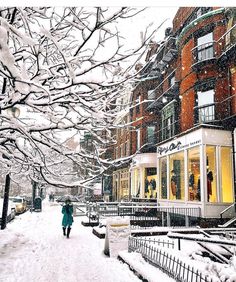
pixel 62 69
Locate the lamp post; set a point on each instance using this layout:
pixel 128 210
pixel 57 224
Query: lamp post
pixel 15 112
pixel 5 200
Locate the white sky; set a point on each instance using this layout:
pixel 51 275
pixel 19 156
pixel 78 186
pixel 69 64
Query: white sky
pixel 157 11
pixel 154 15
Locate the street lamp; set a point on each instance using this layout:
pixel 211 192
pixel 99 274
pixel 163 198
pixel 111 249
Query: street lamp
pixel 14 112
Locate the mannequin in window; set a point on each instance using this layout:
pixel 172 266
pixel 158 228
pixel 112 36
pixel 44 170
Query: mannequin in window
pixel 153 184
pixel 146 187
pixel 173 183
pixel 152 187
pixel 209 184
pixel 198 195
pixel 191 186
pixel 191 180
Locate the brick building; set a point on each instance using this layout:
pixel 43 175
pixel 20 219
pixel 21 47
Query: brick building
pixel 183 114
pixel 121 150
pixel 195 105
pixel 145 126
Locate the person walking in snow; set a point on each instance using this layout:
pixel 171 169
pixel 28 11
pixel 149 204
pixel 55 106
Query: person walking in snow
pixel 67 219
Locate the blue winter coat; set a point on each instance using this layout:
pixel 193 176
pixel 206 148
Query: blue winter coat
pixel 67 211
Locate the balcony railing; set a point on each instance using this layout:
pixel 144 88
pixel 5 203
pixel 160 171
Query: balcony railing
pixel 165 54
pixel 203 53
pixel 205 113
pixel 149 144
pixel 216 50
pixel 166 96
pixel 227 43
pixel 169 131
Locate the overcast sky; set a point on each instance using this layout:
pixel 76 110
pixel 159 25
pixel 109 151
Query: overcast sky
pixel 155 15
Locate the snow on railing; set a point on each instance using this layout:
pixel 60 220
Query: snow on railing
pixel 167 262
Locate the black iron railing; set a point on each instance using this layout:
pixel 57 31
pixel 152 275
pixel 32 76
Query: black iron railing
pixel 145 214
pixel 227 40
pixel 204 52
pixel 167 262
pixel 150 216
pixel 205 113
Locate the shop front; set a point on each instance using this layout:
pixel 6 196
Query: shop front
pixel 196 169
pixel 121 180
pixel 144 176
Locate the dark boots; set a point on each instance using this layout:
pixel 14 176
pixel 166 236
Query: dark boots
pixel 68 232
pixel 64 231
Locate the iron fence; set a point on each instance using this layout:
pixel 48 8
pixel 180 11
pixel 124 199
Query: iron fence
pixel 145 214
pixel 167 262
pixel 160 242
pixel 149 216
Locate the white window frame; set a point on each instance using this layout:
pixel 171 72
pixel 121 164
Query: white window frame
pixel 205 98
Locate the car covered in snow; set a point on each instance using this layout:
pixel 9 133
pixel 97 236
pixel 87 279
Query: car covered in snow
pixel 20 204
pixel 11 212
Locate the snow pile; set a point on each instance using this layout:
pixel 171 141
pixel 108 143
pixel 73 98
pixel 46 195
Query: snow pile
pixel 147 271
pixel 33 248
pixel 117 235
pixel 223 272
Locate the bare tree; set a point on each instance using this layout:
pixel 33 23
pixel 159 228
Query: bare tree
pixel 62 68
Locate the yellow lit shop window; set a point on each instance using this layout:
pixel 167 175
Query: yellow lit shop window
pixel 226 175
pixel 177 176
pixel 150 182
pixel 211 174
pixel 136 191
pixel 194 189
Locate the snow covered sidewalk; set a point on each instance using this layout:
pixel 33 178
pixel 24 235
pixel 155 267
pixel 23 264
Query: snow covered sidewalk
pixel 32 248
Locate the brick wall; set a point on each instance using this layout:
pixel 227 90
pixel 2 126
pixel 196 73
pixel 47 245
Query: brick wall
pixel 181 16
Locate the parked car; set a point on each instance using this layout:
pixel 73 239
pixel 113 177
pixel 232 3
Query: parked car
pixel 11 212
pixel 28 200
pixel 20 204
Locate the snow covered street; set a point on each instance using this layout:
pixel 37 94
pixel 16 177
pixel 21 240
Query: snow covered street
pixel 32 248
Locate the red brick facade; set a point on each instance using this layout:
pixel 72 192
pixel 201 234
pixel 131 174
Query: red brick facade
pixel 196 58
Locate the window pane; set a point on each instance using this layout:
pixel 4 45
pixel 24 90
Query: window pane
pixel 163 178
pixel 177 176
pixel 205 47
pixel 226 173
pixel 168 121
pixel 205 39
pixel 206 97
pixel 150 134
pixel 151 94
pixel 194 174
pixel 206 113
pixel 211 173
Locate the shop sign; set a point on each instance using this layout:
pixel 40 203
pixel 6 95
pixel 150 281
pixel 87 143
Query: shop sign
pixel 169 148
pixel 176 146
